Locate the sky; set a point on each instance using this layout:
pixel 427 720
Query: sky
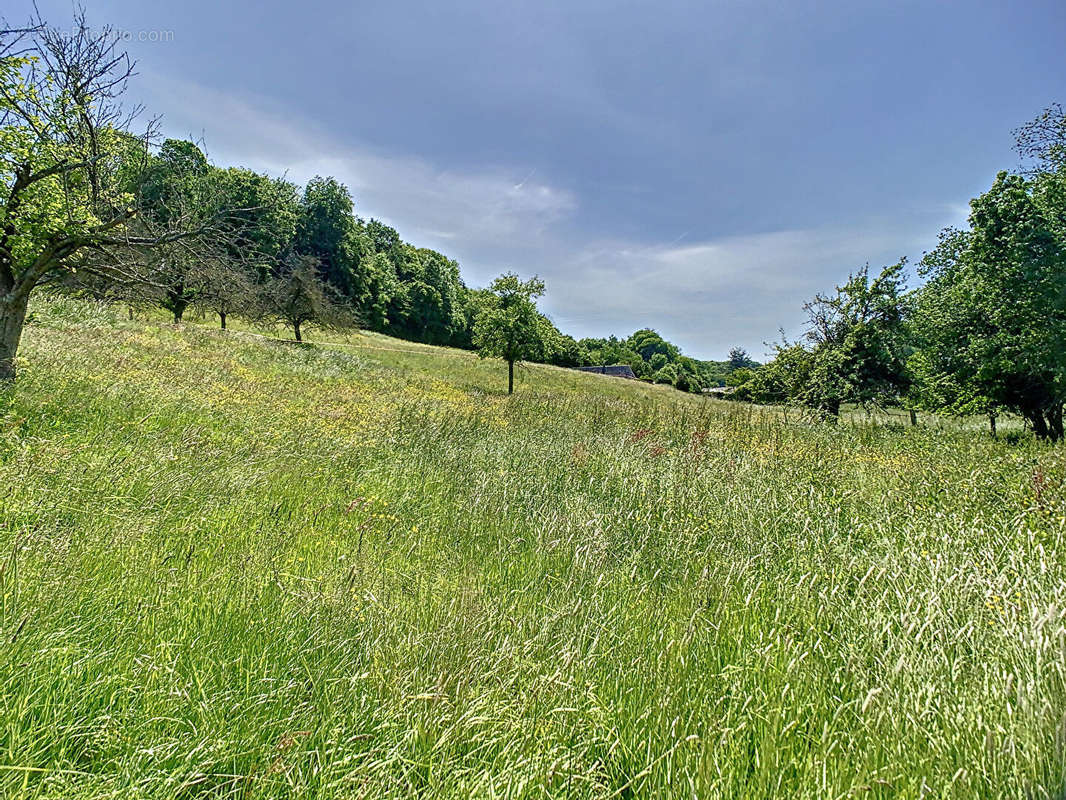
pixel 701 168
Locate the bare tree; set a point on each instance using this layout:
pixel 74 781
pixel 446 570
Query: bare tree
pixel 1043 140
pixel 299 298
pixel 224 287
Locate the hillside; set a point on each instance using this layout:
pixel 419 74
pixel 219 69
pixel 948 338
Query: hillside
pixel 237 567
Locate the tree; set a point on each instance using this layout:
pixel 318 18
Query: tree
pixel 785 379
pixel 990 323
pixel 667 374
pixel 739 377
pixel 176 186
pixel 1043 140
pixel 854 349
pixel 858 343
pixel 224 287
pixel 386 240
pixel 614 351
pixel 299 298
pixel 564 350
pixel 739 359
pixel 509 325
pixel 325 230
pixel 71 173
pixel 435 313
pixel 261 224
pixel 647 343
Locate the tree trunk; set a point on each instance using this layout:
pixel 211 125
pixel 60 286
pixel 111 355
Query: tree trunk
pixel 12 318
pixel 992 424
pixel 222 319
pixel 510 377
pixel 1054 419
pixel 914 417
pixel 296 330
pixel 1036 419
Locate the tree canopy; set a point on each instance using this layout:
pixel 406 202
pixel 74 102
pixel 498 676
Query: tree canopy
pixel 508 325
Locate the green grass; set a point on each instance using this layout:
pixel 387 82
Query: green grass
pixel 234 567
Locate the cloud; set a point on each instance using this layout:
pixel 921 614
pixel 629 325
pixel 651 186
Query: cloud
pixel 737 290
pixel 431 206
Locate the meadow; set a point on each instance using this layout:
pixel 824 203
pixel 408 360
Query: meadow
pixel 238 567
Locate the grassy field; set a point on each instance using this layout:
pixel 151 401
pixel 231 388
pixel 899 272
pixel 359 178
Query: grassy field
pixel 233 567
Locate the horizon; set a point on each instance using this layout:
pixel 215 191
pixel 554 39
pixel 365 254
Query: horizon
pixel 579 143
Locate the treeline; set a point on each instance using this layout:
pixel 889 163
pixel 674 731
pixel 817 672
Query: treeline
pixel 92 205
pixel 346 270
pixel 985 333
pixel 654 359
pixel 89 204
pixel 303 257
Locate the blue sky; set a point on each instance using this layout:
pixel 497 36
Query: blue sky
pixel 697 167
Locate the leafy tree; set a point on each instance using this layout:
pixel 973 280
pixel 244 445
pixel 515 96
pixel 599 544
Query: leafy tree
pixel 509 325
pixel 384 239
pixel 783 380
pixel 739 359
pixel 71 174
pixel 739 377
pixel 374 287
pixel 684 380
pixel 990 323
pixel 325 230
pixel 427 303
pixel 1043 140
pixel 668 374
pixel 854 350
pixel 262 223
pixel 614 351
pixel 299 298
pixel 471 303
pixel 858 344
pixel 647 343
pixel 566 351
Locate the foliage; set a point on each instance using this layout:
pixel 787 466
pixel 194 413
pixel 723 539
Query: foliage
pixel 75 183
pixel 990 323
pixel 261 220
pixel 509 326
pixel 739 359
pixel 854 349
pixel 176 185
pixel 647 343
pixel 325 231
pixel 1043 140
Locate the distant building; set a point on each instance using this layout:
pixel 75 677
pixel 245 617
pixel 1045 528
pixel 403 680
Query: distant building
pixel 614 370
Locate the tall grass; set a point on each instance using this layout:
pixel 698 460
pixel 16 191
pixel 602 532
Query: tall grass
pixel 233 567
